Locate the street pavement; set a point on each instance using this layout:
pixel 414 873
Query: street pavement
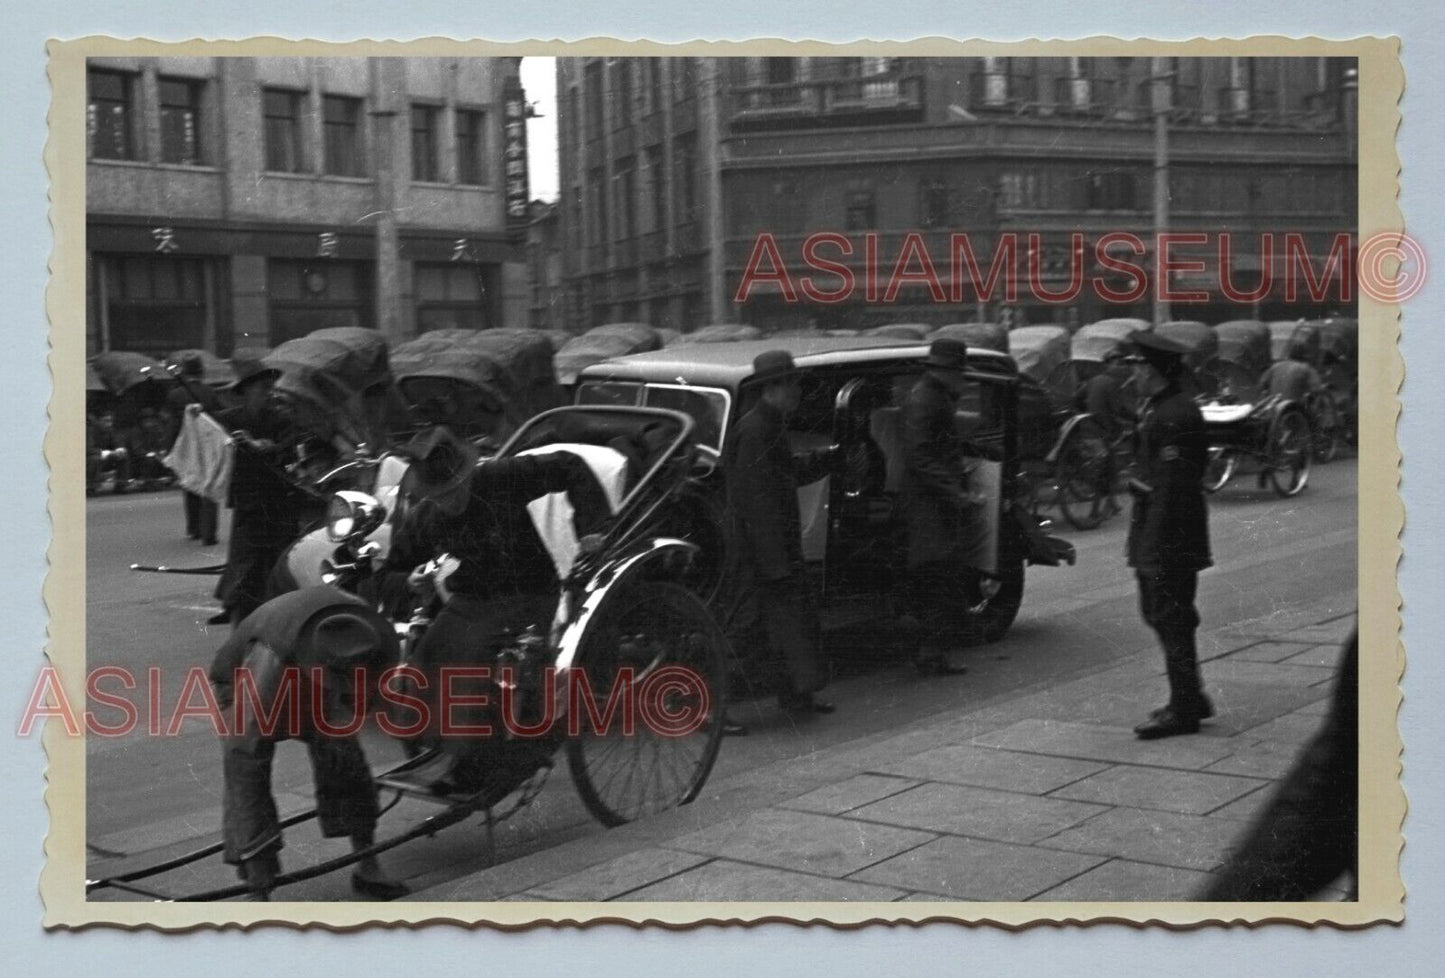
pixel 1028 755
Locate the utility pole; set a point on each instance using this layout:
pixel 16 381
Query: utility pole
pixel 1159 81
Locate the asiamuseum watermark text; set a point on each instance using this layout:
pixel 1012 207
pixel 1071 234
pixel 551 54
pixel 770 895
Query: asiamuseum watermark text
pixel 453 702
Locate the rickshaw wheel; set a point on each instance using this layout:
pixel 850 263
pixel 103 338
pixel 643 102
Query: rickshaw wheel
pixel 1289 452
pixel 665 759
pixel 1326 430
pixel 1219 470
pixel 1081 473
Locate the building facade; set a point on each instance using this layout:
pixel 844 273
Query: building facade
pixel 547 301
pixel 245 201
pixel 672 169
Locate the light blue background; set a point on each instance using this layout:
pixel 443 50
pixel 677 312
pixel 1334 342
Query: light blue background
pixel 778 949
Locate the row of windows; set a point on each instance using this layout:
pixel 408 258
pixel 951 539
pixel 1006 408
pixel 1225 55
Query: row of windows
pixel 156 305
pixel 113 127
pixel 617 212
pixel 622 89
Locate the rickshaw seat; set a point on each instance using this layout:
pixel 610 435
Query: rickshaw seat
pixel 1225 413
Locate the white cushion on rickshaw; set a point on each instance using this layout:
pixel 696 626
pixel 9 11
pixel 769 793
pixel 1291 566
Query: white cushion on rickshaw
pixel 552 513
pixel 1225 413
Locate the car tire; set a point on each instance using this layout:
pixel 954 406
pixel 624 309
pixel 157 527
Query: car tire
pixel 997 616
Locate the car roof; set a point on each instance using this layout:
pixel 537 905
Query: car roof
pixel 729 364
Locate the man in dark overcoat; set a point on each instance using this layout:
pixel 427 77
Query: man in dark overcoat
pixel 1169 530
pixel 940 510
pixel 762 488
pixel 265 504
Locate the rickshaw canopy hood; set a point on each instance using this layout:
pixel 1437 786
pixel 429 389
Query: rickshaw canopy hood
pixel 1199 341
pixel 1039 350
pixel 721 333
pixel 215 372
pixel 901 331
pixel 604 343
pixel 119 371
pixel 1245 342
pixel 1096 341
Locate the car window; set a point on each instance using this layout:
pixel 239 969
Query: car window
pixel 708 408
pixel 610 394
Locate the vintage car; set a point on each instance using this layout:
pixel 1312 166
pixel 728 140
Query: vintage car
pixel 852 391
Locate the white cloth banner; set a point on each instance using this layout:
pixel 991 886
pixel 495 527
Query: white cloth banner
pixel 203 456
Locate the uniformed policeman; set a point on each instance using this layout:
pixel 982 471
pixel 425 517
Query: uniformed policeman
pixel 1169 532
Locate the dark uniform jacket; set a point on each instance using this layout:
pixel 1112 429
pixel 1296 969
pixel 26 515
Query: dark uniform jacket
pixel 1169 530
pixel 935 498
pixel 762 489
pixel 258 480
pixel 1103 397
pixel 494 538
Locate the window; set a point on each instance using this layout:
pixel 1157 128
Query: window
pixel 597 193
pixel 934 210
pixel 341 121
pixel 424 167
pixel 109 116
pixel 281 120
pixel 787 206
pixel 860 213
pixel 593 80
pixel 451 296
pixel 684 163
pixel 180 121
pixel 307 296
pixel 155 304
pixel 621 93
pixel 657 187
pixel 471 147
pixel 1111 190
pixel 624 182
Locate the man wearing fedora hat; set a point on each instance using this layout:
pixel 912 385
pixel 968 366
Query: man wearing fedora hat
pixel 315 640
pixel 1169 529
pixel 762 489
pixel 939 509
pixel 265 506
pixel 505 581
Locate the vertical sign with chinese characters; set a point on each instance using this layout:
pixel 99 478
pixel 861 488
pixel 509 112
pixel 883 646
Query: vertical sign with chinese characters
pixel 514 157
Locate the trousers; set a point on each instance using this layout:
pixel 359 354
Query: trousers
pixel 345 794
pixel 1166 602
pixel 939 594
pixel 202 516
pixel 782 612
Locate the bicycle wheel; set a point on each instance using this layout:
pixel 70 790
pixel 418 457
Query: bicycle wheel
pixel 1288 461
pixel 1326 431
pixel 659 639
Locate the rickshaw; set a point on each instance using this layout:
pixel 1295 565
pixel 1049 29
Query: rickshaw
pixel 1041 352
pixel 622 625
pixel 339 386
pixel 1244 353
pixel 131 389
pixel 978 336
pixel 1340 343
pixel 1201 345
pixel 1285 335
pixel 602 343
pixel 482 386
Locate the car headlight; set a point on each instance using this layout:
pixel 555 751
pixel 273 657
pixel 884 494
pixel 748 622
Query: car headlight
pixel 352 515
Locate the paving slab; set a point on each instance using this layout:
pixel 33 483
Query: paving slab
pixel 1333 633
pixel 1262 760
pixel 1187 792
pixel 988 768
pixel 1248 807
pixel 802 841
pixel 1005 816
pixel 1269 673
pixel 1239 706
pixel 835 799
pixel 1125 881
pixel 1328 656
pixel 1118 744
pixel 1162 838
pixel 618 876
pixel 1292 729
pixel 724 881
pixel 973 869
pixel 1269 651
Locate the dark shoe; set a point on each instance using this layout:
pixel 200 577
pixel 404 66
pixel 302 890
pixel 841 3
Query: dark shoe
pixel 379 889
pixel 1205 711
pixel 937 665
pixel 1166 724
pixel 731 728
pixel 221 617
pixel 805 704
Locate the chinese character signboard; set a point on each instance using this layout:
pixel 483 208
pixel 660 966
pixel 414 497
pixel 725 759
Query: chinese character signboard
pixel 514 153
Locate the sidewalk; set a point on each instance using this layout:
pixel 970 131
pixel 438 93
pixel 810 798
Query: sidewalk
pixel 1043 796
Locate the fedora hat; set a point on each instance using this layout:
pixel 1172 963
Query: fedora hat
pixel 249 365
pixel 343 638
pixel 440 462
pixel 772 365
pixel 948 353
